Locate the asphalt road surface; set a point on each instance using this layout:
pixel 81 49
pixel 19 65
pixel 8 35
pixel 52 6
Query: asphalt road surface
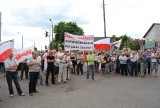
pixel 113 92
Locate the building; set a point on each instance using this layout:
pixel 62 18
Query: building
pixel 152 36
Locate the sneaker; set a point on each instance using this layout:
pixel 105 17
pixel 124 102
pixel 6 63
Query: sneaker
pixel 31 94
pixel 22 94
pixel 11 95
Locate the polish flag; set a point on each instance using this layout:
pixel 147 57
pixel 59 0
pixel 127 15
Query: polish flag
pixel 6 48
pixel 103 44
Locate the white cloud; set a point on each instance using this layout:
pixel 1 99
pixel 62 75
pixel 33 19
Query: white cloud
pixel 131 17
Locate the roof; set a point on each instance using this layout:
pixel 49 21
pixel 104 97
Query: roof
pixel 150 29
pixel 137 40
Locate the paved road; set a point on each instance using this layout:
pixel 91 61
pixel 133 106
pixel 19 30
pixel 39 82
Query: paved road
pixel 113 92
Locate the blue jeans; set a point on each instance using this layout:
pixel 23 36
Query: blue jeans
pixel 13 76
pixel 129 67
pixel 89 68
pixel 106 69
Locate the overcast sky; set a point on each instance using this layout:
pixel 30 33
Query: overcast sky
pixel 31 17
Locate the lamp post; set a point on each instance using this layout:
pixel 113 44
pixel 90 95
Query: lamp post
pixel 52 31
pixel 22 38
pixel 33 43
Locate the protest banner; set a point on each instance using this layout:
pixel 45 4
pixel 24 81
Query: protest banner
pixel 21 55
pixel 6 48
pixel 74 42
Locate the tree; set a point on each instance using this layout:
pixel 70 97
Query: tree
pixel 125 40
pixel 134 46
pixel 61 28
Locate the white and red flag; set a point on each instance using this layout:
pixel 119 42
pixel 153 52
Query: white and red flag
pixel 6 48
pixel 103 44
pixel 21 55
pixel 117 43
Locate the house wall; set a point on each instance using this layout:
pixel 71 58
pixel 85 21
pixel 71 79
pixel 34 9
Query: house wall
pixel 157 33
pixel 151 34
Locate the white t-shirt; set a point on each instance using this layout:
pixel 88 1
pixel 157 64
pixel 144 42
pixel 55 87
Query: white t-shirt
pixel 154 60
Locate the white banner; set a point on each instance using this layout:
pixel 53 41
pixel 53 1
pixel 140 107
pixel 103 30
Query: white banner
pixel 74 42
pixel 21 55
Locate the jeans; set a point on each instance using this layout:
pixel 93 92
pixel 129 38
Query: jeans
pixel 129 67
pixel 106 69
pixel 134 68
pixel 90 67
pixel 33 80
pixel 24 67
pixel 50 69
pixel 14 76
pixel 124 69
pixel 80 67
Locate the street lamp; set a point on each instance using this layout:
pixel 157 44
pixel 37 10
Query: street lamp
pixel 22 38
pixel 34 43
pixel 52 31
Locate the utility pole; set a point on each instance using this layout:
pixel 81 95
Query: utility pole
pixel 0 25
pixel 104 18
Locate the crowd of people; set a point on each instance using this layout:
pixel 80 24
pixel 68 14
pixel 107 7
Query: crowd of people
pixel 59 64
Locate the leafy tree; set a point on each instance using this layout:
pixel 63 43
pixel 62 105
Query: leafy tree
pixel 61 28
pixel 125 40
pixel 134 46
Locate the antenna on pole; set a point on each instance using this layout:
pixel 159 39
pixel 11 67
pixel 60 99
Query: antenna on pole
pixel 104 18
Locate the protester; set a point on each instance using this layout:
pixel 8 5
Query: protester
pixel 148 55
pixel 154 62
pixel 90 59
pixel 50 68
pixel 34 66
pixel 113 63
pixel 62 65
pixel 85 64
pixel 79 63
pixel 134 60
pixel 12 74
pixel 123 64
pixel 24 67
pixel 74 62
pixel 143 63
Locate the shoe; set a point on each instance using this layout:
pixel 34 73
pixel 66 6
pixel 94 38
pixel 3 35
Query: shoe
pixel 36 91
pixel 0 100
pixel 47 84
pixel 142 76
pixel 31 94
pixel 64 81
pixel 53 83
pixel 11 95
pixel 22 94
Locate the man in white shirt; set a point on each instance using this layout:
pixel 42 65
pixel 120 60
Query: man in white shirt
pixel 134 59
pixel 62 66
pixel 34 68
pixel 154 62
pixel 12 74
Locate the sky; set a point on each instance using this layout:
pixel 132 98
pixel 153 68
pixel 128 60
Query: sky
pixel 31 18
